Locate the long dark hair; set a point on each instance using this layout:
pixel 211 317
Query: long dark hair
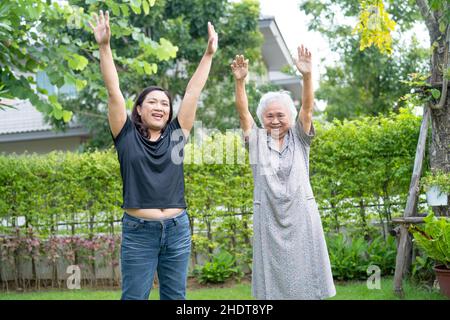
pixel 136 118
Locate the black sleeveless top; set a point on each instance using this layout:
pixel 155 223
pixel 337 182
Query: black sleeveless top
pixel 152 171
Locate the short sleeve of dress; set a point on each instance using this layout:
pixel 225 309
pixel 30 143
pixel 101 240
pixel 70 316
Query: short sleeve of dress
pixel 251 135
pixel 126 129
pixel 305 138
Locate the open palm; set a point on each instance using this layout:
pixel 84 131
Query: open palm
pixel 213 39
pixel 102 31
pixel 239 67
pixel 304 61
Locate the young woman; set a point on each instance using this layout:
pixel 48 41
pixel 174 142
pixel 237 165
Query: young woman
pixel 290 257
pixel 155 225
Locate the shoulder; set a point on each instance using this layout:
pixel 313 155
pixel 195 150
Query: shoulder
pixel 175 131
pixel 127 127
pixel 304 138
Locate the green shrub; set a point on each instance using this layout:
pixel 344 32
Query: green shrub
pixel 219 269
pixel 347 257
pixel 422 272
pixel 350 257
pixel 434 238
pixel 383 253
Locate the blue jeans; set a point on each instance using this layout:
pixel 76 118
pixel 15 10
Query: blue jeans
pixel 147 246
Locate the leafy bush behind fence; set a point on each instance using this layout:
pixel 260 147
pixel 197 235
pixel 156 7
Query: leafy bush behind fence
pixel 360 171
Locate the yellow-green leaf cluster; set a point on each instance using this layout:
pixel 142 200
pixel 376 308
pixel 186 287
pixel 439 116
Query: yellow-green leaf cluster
pixel 375 26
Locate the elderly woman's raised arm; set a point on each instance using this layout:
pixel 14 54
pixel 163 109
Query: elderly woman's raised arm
pixel 304 65
pixel 239 68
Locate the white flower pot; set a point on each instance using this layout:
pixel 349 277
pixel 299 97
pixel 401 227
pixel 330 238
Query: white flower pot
pixel 435 197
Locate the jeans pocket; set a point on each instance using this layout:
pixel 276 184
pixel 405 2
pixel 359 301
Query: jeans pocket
pixel 130 225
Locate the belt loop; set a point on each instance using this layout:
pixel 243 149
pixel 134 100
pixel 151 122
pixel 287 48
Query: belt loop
pixel 174 221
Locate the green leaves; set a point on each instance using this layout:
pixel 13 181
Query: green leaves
pixel 166 50
pixel 76 62
pixel 434 238
pixel 55 37
pixel 375 26
pixel 146 4
pixel 435 93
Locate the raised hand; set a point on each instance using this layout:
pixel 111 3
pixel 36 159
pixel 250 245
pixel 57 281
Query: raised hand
pixel 304 61
pixel 239 67
pixel 102 31
pixel 212 39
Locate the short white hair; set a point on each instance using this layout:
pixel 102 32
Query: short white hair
pixel 282 97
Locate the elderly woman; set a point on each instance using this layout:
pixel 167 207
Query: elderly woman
pixel 290 256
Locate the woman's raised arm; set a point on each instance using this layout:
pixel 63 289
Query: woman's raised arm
pixel 188 108
pixel 116 103
pixel 304 65
pixel 239 68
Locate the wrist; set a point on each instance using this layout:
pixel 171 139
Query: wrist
pixel 208 55
pixel 240 81
pixel 104 46
pixel 307 76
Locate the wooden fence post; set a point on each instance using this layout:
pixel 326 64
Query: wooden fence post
pixel 405 242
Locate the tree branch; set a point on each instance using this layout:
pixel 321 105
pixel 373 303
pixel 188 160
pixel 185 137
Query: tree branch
pixel 430 21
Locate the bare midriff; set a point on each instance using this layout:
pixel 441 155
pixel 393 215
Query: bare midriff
pixel 159 214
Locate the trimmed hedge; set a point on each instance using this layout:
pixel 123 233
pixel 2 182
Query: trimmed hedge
pixel 359 170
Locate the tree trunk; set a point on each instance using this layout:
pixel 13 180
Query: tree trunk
pixel 440 118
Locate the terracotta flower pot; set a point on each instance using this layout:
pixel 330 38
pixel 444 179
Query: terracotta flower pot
pixel 443 277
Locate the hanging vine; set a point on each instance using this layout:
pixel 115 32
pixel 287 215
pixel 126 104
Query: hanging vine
pixel 374 26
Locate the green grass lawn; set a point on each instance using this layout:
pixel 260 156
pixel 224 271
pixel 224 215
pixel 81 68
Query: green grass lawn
pixel 346 291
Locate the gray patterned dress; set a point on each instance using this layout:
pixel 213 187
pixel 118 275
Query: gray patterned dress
pixel 290 256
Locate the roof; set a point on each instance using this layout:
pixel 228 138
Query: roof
pixel 275 50
pixel 276 56
pixel 22 117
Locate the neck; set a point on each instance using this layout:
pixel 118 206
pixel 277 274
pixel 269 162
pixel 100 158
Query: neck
pixel 153 134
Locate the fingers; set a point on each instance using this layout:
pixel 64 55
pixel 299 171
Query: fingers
pixel 239 59
pixel 239 62
pixel 233 65
pixel 107 18
pixel 95 16
pixel 303 51
pixel 211 31
pixel 102 17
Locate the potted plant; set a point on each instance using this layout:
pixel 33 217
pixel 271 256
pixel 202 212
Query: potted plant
pixel 437 187
pixel 434 239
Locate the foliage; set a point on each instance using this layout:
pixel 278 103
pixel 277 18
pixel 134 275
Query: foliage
pixel 183 24
pixel 434 238
pixel 350 258
pixel 375 26
pixel 422 271
pixel 364 82
pixel 421 90
pixel 362 162
pixel 359 173
pixel 222 267
pixel 359 163
pixel 438 178
pixel 54 37
pixel 88 254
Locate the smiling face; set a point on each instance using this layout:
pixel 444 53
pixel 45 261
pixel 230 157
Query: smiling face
pixel 155 110
pixel 276 116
